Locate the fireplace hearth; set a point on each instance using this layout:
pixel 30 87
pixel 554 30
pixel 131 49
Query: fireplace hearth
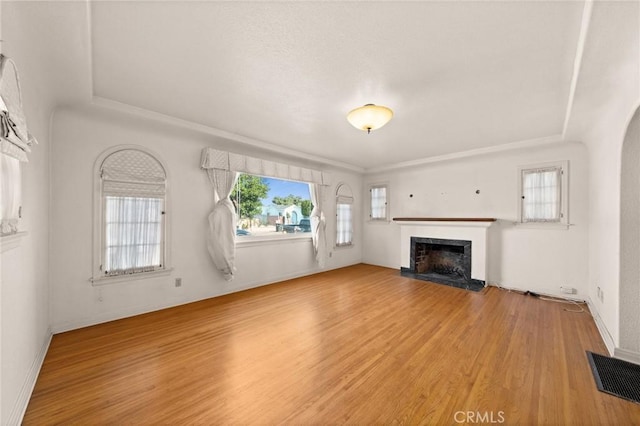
pixel 443 262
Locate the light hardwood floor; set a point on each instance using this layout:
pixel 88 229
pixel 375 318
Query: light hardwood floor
pixel 357 345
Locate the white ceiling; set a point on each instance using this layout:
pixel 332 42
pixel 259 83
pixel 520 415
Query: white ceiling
pixel 459 76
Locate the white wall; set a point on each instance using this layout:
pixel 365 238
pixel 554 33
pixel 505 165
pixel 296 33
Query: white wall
pixel 24 300
pixel 80 136
pixel 630 239
pixel 519 257
pixel 607 95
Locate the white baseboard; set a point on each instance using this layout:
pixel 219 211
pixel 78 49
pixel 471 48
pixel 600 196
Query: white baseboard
pixel 604 332
pixel 541 293
pixel 627 355
pixel 20 406
pixel 143 309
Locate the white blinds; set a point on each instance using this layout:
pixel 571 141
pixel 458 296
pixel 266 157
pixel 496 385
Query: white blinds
pixel 223 160
pixel 133 173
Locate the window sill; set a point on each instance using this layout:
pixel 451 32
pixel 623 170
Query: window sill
pixel 11 241
pixel 543 225
pixel 129 277
pixel 379 221
pixel 343 246
pixel 258 241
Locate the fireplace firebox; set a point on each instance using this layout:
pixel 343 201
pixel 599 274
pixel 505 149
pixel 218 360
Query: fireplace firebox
pixel 443 262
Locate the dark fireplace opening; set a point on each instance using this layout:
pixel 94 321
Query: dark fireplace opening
pixel 443 262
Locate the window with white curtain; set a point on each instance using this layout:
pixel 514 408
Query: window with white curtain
pixel 344 216
pixel 132 212
pixel 10 194
pixel 543 193
pixel 378 195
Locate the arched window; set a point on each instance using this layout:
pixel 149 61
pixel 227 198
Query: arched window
pixel 344 215
pixel 130 213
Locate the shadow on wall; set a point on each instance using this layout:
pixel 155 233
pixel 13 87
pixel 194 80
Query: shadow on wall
pixel 630 238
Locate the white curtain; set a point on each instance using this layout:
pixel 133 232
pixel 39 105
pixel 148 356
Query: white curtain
pixel 541 195
pixel 222 222
pixel 318 224
pixel 133 234
pixel 344 223
pixel 15 139
pixel 10 194
pixel 379 202
pixel 223 168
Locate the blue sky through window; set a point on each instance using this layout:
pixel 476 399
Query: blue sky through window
pixel 282 188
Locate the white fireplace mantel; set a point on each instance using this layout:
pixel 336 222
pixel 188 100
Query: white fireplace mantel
pixel 468 229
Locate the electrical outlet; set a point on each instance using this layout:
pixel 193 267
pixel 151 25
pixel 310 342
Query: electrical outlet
pixel 568 290
pixel 178 282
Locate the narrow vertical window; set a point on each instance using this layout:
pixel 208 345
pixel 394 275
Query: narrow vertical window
pixel 543 194
pixel 133 203
pixel 344 216
pixel 379 203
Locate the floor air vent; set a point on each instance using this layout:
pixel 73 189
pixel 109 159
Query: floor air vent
pixel 616 377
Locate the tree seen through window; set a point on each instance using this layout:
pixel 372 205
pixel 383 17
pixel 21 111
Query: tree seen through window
pixel 270 206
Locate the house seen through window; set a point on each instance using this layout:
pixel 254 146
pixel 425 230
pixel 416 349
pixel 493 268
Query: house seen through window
pixel 270 206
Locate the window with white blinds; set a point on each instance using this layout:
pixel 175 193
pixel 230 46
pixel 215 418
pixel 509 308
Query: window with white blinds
pixel 133 198
pixel 543 193
pixel 344 216
pixel 378 202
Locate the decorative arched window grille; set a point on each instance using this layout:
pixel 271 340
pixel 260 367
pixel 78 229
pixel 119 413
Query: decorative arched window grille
pixel 132 202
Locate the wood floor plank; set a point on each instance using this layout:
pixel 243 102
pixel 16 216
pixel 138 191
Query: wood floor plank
pixel 356 345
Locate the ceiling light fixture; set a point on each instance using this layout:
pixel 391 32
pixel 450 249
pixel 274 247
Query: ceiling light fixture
pixel 369 117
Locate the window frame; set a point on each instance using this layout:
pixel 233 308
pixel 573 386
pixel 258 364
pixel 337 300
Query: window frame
pixel 386 218
pixel 99 226
pixel 563 187
pixel 276 237
pixel 345 198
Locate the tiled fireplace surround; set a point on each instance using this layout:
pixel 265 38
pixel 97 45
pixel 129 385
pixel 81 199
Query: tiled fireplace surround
pixel 460 233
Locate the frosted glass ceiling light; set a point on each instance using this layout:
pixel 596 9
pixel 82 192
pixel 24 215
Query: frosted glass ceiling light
pixel 369 117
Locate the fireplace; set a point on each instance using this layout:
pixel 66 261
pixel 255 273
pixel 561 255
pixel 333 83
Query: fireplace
pixel 442 261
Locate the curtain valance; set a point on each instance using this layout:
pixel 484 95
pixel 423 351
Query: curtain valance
pixel 223 160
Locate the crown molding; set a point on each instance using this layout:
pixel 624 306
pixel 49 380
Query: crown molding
pixel 185 124
pixel 529 143
pixel 577 62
